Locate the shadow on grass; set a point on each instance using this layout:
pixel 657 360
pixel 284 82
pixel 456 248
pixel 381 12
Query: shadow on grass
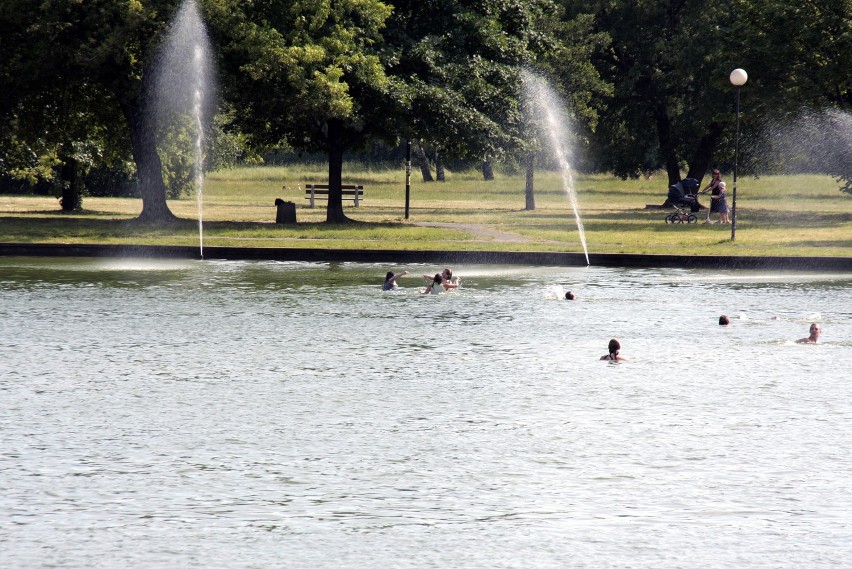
pixel 22 228
pixel 762 218
pixel 823 244
pixel 773 218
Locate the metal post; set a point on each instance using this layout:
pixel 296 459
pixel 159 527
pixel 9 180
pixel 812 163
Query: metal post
pixel 407 177
pixel 736 156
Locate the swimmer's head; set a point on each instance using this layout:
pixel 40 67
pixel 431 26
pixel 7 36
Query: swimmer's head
pixel 438 278
pixel 389 276
pixel 570 295
pixel 447 274
pixel 724 320
pixel 614 346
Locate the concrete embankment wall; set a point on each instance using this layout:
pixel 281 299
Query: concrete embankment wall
pixel 552 259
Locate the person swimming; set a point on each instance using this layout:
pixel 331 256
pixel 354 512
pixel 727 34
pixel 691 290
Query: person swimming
pixel 613 355
pixel 436 286
pixel 570 296
pixel 815 331
pixel 447 279
pixel 390 280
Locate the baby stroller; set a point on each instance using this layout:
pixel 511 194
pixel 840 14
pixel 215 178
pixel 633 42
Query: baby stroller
pixel 682 197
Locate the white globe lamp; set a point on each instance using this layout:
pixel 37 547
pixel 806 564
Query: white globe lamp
pixel 738 77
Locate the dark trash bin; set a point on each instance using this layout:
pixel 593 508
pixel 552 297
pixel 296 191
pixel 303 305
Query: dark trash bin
pixel 286 211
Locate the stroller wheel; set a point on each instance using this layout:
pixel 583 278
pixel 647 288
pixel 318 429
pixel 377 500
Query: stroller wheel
pixel 691 219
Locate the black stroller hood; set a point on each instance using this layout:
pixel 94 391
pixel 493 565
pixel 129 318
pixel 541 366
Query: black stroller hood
pixel 683 194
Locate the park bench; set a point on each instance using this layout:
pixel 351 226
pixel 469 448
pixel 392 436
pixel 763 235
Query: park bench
pixel 351 192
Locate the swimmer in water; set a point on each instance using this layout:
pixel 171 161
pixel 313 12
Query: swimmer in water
pixel 436 286
pixel 447 279
pixel 390 280
pixel 570 296
pixel 815 331
pixel 724 320
pixel 614 348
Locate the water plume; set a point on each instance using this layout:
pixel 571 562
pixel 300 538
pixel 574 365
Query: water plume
pixel 814 141
pixel 549 115
pixel 182 98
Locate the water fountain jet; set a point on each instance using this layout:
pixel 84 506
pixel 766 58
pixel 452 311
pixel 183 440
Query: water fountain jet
pixel 813 141
pixel 549 115
pixel 182 97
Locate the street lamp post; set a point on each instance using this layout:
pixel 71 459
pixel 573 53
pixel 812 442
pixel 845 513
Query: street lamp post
pixel 738 79
pixel 407 176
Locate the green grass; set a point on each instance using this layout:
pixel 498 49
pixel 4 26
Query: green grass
pixel 791 215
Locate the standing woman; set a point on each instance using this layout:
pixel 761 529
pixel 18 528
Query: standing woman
pixel 717 189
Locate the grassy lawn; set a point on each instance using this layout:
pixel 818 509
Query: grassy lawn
pixel 790 216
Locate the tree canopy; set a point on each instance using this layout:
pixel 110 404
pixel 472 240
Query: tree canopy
pixel 646 80
pixel 669 63
pixel 309 74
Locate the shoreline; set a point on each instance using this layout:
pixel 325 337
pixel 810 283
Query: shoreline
pixel 553 259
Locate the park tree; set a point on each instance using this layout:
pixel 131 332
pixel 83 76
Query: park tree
pixel 55 127
pixel 669 62
pixel 330 76
pixel 565 76
pixel 88 62
pixel 308 74
pixel 800 81
pixel 667 106
pixel 462 60
pixel 796 52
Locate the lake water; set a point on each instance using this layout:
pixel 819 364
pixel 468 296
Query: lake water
pixel 166 414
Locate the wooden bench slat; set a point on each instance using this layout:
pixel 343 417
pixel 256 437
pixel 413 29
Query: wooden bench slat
pixel 325 192
pixel 344 186
pixel 352 192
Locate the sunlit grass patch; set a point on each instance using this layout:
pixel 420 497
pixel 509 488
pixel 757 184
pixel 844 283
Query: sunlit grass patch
pixel 784 215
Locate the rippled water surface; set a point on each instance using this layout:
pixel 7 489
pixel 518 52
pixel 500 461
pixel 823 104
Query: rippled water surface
pixel 262 414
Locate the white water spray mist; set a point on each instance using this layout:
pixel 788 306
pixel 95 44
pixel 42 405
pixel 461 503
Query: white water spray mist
pixel 551 117
pixel 183 91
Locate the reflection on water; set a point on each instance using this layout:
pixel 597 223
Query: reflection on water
pixel 262 414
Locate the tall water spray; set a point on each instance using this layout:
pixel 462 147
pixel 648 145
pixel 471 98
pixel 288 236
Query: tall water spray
pixel 813 141
pixel 549 116
pixel 183 93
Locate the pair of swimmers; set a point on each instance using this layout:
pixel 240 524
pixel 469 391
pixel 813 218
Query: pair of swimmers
pixel 814 331
pixel 615 346
pixel 441 282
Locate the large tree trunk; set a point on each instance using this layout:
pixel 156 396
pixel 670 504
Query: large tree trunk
pixel 334 213
pixel 439 168
pixel 70 177
pixel 149 169
pixel 530 185
pixel 423 162
pixel 704 152
pixel 487 169
pixel 664 136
